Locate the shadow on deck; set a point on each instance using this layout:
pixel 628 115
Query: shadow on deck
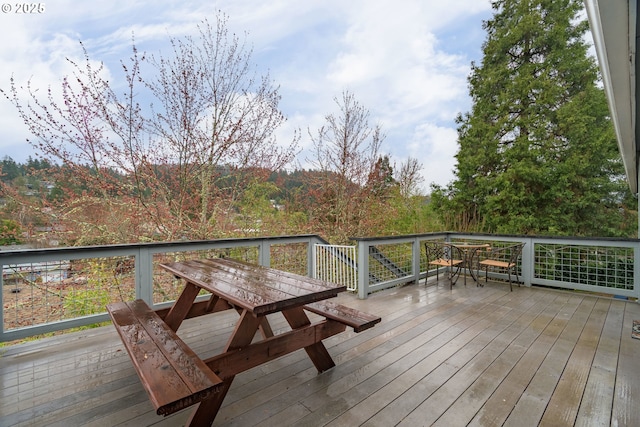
pixel 467 356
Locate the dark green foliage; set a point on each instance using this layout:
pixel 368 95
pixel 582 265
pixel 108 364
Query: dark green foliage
pixel 537 151
pixel 598 274
pixel 592 266
pixel 10 170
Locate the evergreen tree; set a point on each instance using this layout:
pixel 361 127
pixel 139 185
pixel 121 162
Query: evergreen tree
pixel 9 169
pixel 537 150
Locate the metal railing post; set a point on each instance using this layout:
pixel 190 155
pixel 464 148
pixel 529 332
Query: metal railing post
pixel 313 257
pixel 415 264
pixel 363 269
pixel 264 253
pixel 144 275
pixel 528 259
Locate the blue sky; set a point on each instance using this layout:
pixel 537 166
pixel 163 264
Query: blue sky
pixel 406 61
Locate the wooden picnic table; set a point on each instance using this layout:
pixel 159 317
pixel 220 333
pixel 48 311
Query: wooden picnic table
pixel 254 292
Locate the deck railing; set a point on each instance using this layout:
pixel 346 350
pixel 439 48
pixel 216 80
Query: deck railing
pixel 608 266
pixel 337 264
pixel 46 290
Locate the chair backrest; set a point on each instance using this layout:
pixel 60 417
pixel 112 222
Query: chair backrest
pixel 515 251
pixel 441 250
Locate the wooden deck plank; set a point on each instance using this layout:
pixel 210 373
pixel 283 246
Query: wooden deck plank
pixel 291 416
pixel 515 342
pixel 595 407
pixel 125 414
pixel 497 408
pixel 436 344
pixel 534 400
pixel 74 373
pixel 467 356
pixel 433 334
pixel 436 410
pixel 358 367
pixel 626 410
pixel 565 401
pixel 402 391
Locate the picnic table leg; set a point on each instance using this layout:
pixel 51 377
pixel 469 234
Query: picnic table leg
pixel 213 300
pixel 265 328
pixel 242 336
pixel 182 306
pixel 317 352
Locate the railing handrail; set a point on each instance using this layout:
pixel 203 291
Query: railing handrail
pixel 181 244
pixel 505 237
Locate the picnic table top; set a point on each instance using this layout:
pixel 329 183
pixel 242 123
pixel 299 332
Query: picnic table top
pixel 258 289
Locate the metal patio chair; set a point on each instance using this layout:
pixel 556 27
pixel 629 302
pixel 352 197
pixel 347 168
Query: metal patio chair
pixel 505 258
pixel 444 254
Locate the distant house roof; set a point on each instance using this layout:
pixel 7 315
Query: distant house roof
pixel 614 28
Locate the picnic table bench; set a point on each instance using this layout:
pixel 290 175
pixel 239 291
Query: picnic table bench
pixel 348 316
pixel 175 377
pixel 171 373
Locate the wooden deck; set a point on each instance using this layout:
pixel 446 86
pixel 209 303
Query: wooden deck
pixel 471 356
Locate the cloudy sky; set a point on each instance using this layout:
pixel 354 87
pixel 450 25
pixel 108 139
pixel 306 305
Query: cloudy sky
pixel 406 61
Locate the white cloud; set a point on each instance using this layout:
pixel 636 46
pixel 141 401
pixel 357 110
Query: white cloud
pixel 435 148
